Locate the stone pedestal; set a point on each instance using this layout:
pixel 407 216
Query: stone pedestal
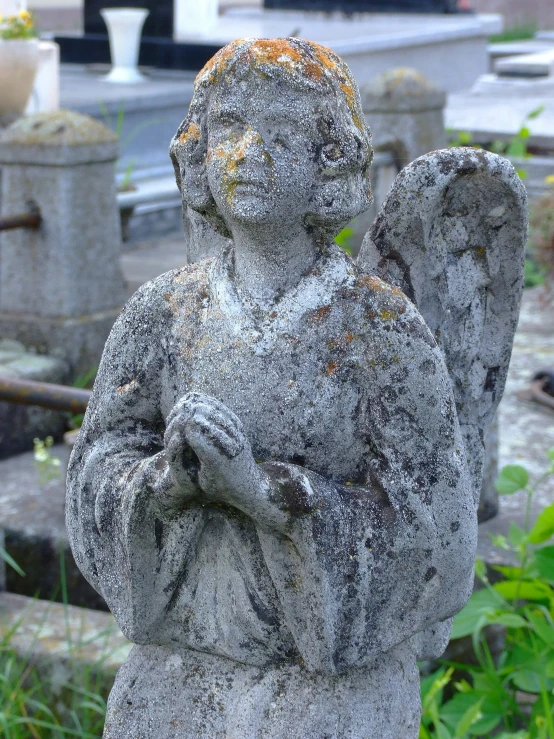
pixel 61 286
pixel 406 114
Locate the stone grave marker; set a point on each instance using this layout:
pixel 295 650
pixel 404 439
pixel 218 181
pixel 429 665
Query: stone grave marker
pixel 276 482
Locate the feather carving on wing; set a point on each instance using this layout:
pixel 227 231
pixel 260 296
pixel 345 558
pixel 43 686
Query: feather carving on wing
pixel 451 234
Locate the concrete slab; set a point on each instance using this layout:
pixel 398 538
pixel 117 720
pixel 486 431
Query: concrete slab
pixel 538 64
pixel 491 118
pixel 505 87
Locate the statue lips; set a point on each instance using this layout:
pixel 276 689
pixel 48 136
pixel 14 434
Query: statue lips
pixel 253 187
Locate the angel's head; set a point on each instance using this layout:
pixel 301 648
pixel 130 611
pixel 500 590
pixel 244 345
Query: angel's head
pixel 275 132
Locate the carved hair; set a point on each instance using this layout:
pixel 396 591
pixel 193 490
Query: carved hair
pixel 344 150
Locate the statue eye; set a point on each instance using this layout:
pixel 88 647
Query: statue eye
pixel 279 142
pixel 228 119
pixel 332 152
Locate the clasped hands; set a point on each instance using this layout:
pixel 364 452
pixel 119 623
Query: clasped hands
pixel 228 471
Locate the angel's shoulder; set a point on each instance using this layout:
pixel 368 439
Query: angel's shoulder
pixel 159 298
pixel 389 315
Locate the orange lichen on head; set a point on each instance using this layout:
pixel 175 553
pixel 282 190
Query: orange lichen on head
pixel 332 367
pixel 321 313
pixel 218 63
pixel 351 100
pixel 192 133
pixel 306 57
pixel 283 53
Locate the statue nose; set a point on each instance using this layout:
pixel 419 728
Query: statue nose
pixel 250 141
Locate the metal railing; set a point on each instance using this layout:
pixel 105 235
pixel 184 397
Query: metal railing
pixel 44 394
pixel 32 219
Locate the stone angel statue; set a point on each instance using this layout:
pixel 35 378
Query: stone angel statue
pixel 275 485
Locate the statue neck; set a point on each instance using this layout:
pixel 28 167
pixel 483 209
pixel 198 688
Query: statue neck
pixel 270 262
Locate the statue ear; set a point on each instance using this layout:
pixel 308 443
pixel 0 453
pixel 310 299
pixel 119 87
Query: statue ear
pixel 342 154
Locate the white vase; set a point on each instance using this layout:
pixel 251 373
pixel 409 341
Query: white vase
pixel 124 30
pixel 18 67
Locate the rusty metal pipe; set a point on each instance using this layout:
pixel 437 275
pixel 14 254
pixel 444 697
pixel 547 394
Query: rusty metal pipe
pixel 33 219
pixel 44 394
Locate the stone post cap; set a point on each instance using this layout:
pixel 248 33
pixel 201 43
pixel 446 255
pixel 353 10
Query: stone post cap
pixel 401 90
pixel 57 137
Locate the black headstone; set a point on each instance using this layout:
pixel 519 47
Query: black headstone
pixel 367 6
pixel 159 22
pixel 157 48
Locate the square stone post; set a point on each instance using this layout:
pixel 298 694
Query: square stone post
pixel 61 285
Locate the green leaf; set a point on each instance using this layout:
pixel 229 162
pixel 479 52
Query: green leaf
pixel 541 624
pixel 516 535
pixel 510 573
pixel 512 477
pixel 470 717
pixel 516 148
pixel 544 559
pixel 480 569
pixel 511 620
pixel 464 707
pixel 529 680
pixel 499 541
pixel 544 526
pixel 482 603
pixel 9 560
pixel 550 453
pixel 524 132
pixel 535 113
pixel 524 590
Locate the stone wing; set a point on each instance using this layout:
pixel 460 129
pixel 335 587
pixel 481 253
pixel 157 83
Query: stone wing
pixel 451 234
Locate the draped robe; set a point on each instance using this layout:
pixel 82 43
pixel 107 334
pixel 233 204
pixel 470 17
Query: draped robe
pixel 347 403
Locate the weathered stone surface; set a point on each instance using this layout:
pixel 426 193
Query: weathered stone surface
pixel 270 488
pixel 451 234
pixel 60 286
pixel 20 424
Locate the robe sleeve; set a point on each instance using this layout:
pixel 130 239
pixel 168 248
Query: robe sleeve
pixel 360 569
pixel 123 541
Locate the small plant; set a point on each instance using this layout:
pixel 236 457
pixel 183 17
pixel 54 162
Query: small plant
pixel 344 240
pixel 517 33
pixel 66 702
pixel 48 466
pixel 17 26
pixel 510 697
pixel 9 560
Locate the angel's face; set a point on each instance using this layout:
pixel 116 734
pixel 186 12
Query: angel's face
pixel 261 161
